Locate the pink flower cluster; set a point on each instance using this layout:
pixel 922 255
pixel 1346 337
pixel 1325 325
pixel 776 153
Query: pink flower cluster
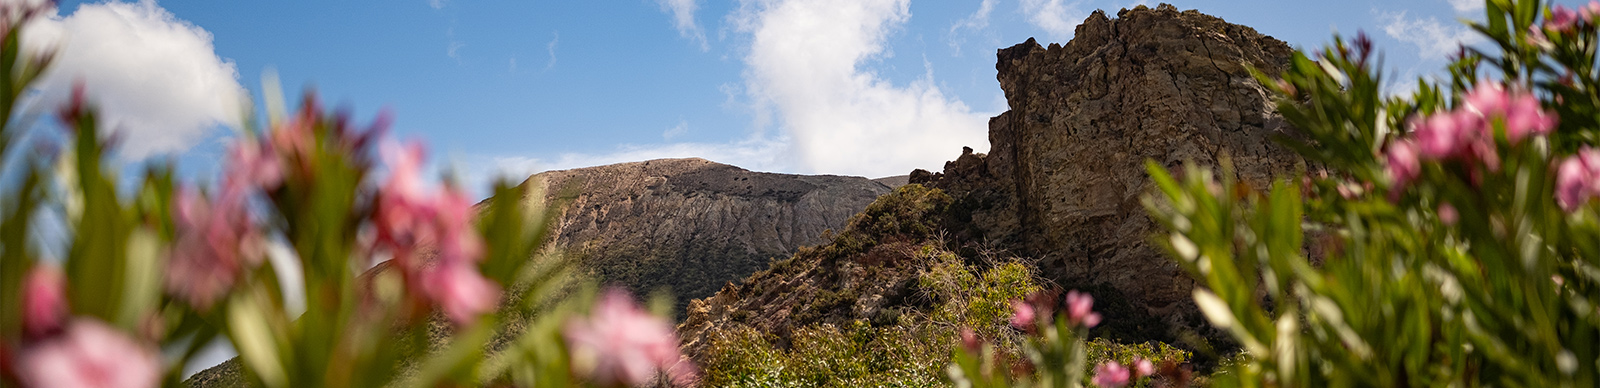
pixel 1563 20
pixel 1026 313
pixel 619 344
pixel 1113 375
pixel 216 243
pixel 81 352
pixel 1467 133
pixel 409 218
pixel 1578 179
pixel 217 240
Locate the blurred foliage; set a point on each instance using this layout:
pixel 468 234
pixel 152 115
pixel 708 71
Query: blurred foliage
pixel 1359 274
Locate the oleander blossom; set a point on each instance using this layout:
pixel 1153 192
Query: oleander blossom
pixel 88 353
pixel 44 301
pixel 461 292
pixel 1578 179
pixel 619 344
pixel 216 243
pixel 1080 309
pixel 1143 367
pixel 1403 165
pixel 252 164
pixel 1023 315
pixel 1561 19
pixel 1111 375
pixel 1466 134
pixel 408 218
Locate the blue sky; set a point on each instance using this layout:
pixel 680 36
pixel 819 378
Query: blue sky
pixel 850 87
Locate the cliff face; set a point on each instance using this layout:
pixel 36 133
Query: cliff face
pixel 1065 172
pixel 1061 186
pixel 693 225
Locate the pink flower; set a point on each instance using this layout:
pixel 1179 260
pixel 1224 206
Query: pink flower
pixel 1448 214
pixel 1571 184
pixel 622 345
pixel 1023 317
pixel 44 301
pixel 89 354
pixel 1443 135
pixel 252 164
pixel 1142 367
pixel 970 341
pixel 1402 163
pixel 1079 309
pixel 404 216
pixel 453 215
pixel 1590 11
pixel 1110 375
pixel 1536 36
pixel 1578 179
pixel 1561 19
pixel 216 242
pixel 1521 111
pixel 461 292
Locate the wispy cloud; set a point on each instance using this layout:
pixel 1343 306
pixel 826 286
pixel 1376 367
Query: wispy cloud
pixel 808 64
pixel 1058 18
pixel 1434 40
pixel 551 48
pixel 676 130
pixel 437 4
pixel 454 50
pixel 977 21
pixel 1463 6
pixel 157 79
pixel 682 12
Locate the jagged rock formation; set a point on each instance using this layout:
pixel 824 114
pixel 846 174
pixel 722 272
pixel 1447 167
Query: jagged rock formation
pixel 1065 173
pixel 692 225
pixel 1063 181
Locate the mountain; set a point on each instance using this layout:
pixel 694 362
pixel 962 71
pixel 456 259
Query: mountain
pixel 687 226
pixel 692 225
pixel 1061 186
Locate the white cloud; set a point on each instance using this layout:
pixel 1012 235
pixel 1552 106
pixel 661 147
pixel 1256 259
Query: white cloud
pixel 1056 17
pixel 1464 6
pixel 454 50
pixel 676 130
pixel 1434 40
pixel 437 4
pixel 551 47
pixel 807 63
pixel 682 12
pixel 156 78
pixel 975 22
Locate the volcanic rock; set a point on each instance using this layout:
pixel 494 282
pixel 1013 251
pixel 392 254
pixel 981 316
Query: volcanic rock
pixel 692 225
pixel 1063 179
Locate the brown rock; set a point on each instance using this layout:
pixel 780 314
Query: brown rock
pixel 1065 173
pixel 692 225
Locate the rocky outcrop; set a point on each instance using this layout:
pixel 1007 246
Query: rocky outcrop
pixel 1063 179
pixel 692 225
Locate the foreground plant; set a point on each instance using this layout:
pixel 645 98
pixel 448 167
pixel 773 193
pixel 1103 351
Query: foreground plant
pixel 1054 352
pixel 315 271
pixel 1444 239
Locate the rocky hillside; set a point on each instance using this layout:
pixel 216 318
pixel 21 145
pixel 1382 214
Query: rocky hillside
pixel 1061 185
pixel 692 225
